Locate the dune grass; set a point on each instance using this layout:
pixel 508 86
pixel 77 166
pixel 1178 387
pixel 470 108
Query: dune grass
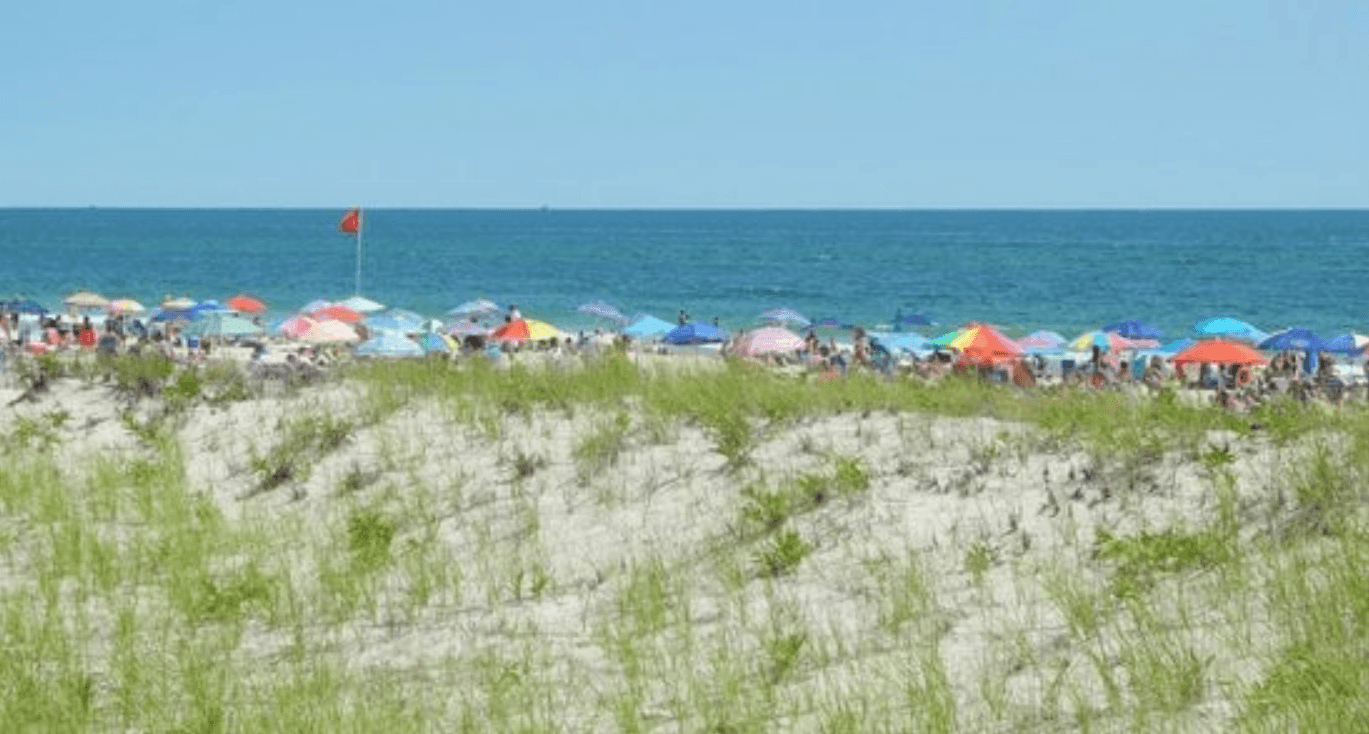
pixel 398 600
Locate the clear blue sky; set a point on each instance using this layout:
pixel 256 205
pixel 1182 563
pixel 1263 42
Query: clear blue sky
pixel 626 103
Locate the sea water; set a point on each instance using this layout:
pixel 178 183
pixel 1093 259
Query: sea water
pixel 1069 271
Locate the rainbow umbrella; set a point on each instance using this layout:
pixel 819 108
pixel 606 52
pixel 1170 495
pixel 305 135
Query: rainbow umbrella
pixel 1107 341
pixel 520 330
pixel 985 343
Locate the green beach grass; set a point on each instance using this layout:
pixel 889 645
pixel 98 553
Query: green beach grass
pixel 684 547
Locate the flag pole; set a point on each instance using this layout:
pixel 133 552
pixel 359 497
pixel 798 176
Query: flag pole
pixel 361 225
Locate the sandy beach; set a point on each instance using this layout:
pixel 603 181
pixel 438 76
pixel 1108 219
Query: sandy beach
pixel 402 555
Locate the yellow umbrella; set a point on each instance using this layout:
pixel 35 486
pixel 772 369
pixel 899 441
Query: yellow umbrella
pixel 86 299
pixel 525 330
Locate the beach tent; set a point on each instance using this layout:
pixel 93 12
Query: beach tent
pixel 1220 351
pixel 223 325
pixel 647 326
pixel 389 344
pixel 767 340
pixel 983 343
pixel 695 332
pixel 1133 329
pixel 520 330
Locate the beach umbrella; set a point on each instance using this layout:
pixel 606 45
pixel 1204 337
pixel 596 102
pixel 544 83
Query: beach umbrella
pixel 1342 343
pixel 646 326
pixel 1107 341
pixel 222 324
pixel 25 306
pixel 767 340
pixel 603 310
pixel 362 304
pixel 295 325
pixel 389 344
pixel 478 307
pixel 329 331
pixel 124 306
pixel 177 304
pixel 1294 340
pixel 525 330
pixel 337 312
pixel 467 328
pixel 1220 351
pixel 945 339
pixel 984 343
pixel 163 314
pixel 86 299
pixel 695 332
pixel 786 316
pixel 1133 329
pixel 244 302
pixel 1176 346
pixel 1229 327
pixel 1042 340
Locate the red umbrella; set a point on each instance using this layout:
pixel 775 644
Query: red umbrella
pixel 524 330
pixel 1220 351
pixel 982 343
pixel 338 312
pixel 244 302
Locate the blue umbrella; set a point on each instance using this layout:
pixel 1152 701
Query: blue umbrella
pixel 646 325
pixel 25 306
pixel 188 314
pixel 695 332
pixel 1176 346
pixel 1133 329
pixel 1294 340
pixel 1344 343
pixel 1227 326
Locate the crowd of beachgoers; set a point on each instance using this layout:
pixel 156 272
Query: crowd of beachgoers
pixel 324 334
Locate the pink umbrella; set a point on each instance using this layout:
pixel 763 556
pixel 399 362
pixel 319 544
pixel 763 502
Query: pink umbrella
pixel 295 325
pixel 767 340
pixel 330 331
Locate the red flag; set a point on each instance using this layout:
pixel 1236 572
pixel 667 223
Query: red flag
pixel 351 222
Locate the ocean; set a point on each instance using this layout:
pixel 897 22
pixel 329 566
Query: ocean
pixel 1069 271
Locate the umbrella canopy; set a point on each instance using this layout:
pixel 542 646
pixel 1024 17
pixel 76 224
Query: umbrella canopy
pixel 177 304
pixel 396 323
pixel 695 332
pixel 185 314
pixel 1107 341
pixel 525 330
pixel 603 310
pixel 244 302
pixel 86 299
pixel 125 306
pixel 984 343
pixel 1178 345
pixel 24 306
pixel 1296 339
pixel 329 331
pixel 767 340
pixel 220 324
pixel 647 326
pixel 1220 351
pixel 1042 340
pixel 786 316
pixel 477 307
pixel 295 325
pixel 389 344
pixel 945 339
pixel 1344 343
pixel 362 304
pixel 1229 327
pixel 1133 329
pixel 337 312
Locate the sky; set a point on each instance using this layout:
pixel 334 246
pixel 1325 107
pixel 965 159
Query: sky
pixel 705 104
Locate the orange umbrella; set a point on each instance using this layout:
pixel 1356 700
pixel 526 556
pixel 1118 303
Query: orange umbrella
pixel 524 330
pixel 1220 351
pixel 244 302
pixel 337 312
pixel 983 343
